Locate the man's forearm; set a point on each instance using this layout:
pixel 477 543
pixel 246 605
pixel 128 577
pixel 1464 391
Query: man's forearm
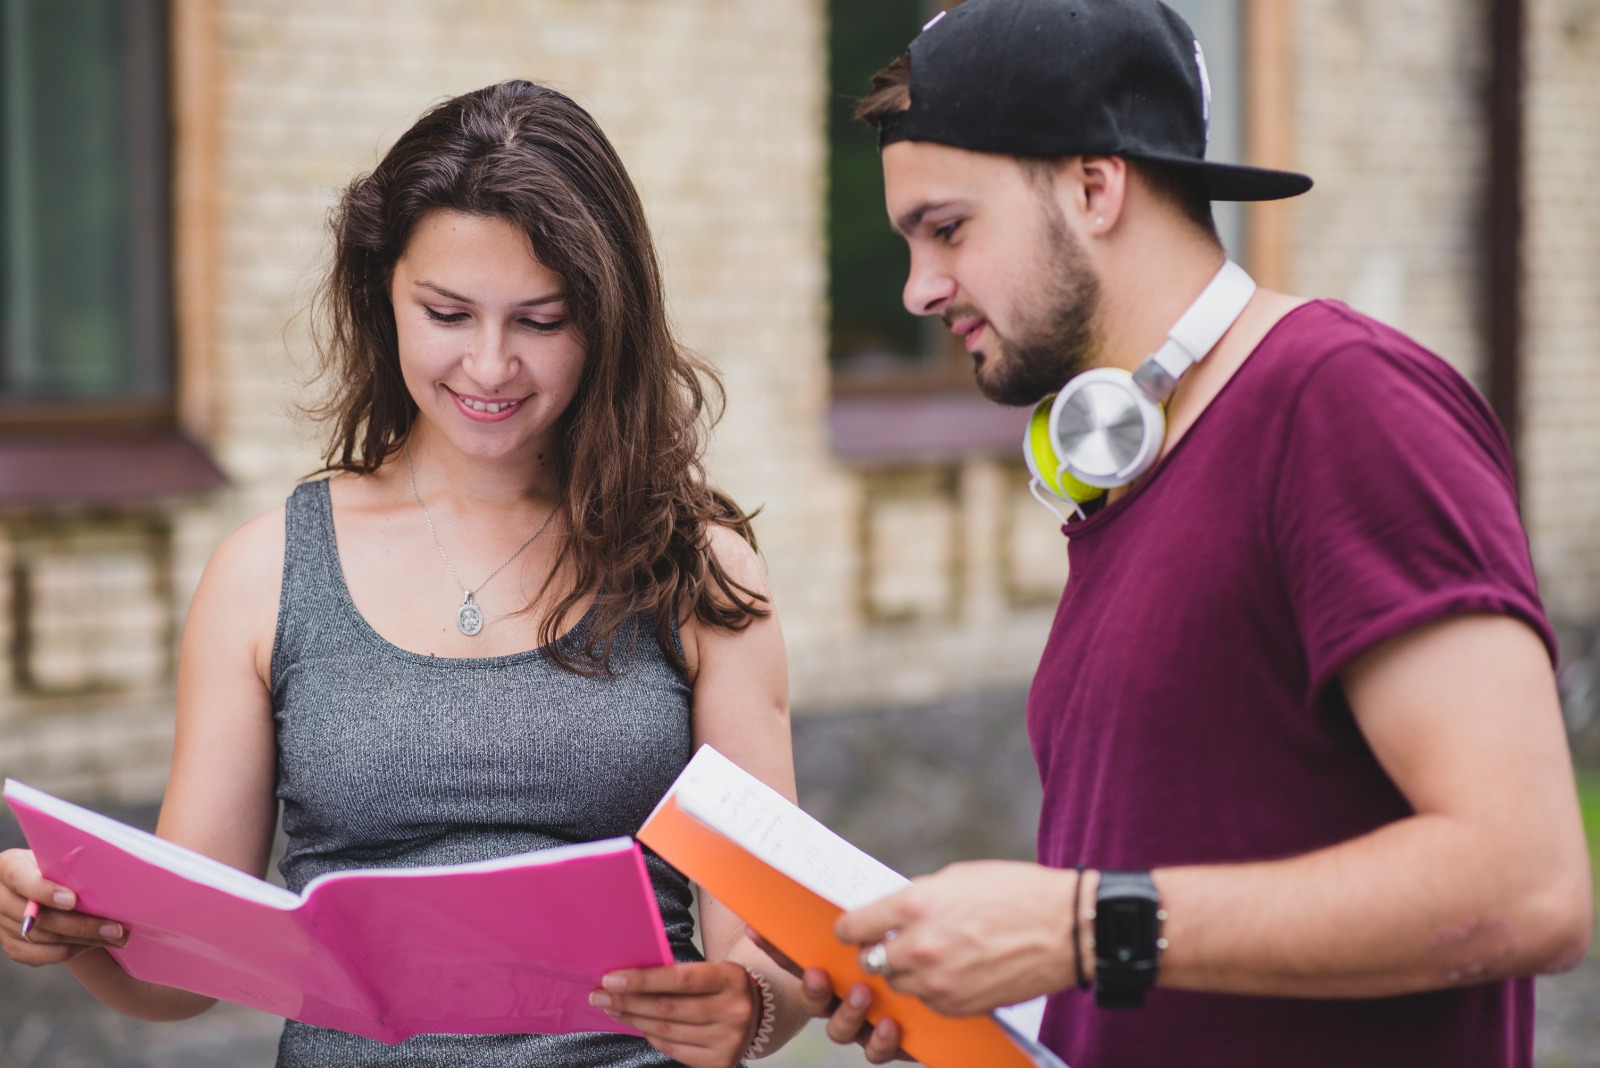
pixel 1420 904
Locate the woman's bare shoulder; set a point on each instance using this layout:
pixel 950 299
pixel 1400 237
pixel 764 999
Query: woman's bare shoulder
pixel 737 556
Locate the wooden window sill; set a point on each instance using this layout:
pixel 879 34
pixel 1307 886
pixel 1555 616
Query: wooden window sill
pixel 923 428
pixel 52 472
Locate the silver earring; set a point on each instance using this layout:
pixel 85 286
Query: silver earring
pixel 1099 220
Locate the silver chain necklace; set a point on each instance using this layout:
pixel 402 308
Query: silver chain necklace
pixel 469 617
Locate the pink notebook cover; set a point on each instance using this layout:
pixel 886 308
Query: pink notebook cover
pixel 506 946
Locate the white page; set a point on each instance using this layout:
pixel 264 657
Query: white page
pixel 722 795
pixel 175 858
pixel 199 868
pixel 748 812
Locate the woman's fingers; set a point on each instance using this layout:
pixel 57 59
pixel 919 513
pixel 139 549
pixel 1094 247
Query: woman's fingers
pixel 37 925
pixel 699 1014
pixel 54 927
pixel 848 1024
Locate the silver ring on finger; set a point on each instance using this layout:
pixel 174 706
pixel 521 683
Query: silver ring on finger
pixel 875 959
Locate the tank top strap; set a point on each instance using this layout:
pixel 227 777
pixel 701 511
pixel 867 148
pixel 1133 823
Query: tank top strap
pixel 311 605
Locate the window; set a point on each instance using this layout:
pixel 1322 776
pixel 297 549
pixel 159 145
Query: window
pixel 85 292
pixel 87 382
pixel 873 342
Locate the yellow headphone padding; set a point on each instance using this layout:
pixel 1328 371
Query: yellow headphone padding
pixel 1047 466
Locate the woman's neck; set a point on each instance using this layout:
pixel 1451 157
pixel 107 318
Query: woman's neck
pixel 444 473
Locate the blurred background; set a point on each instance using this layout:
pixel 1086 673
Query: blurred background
pixel 166 169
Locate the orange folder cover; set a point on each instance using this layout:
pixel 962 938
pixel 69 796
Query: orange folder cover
pixel 789 877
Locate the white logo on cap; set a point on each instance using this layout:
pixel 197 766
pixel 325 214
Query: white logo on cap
pixel 1205 89
pixel 931 22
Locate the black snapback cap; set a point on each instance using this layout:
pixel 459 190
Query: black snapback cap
pixel 1072 78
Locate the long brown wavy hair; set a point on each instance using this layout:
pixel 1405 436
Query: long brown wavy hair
pixel 632 478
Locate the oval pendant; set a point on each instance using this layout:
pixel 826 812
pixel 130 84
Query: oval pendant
pixel 469 617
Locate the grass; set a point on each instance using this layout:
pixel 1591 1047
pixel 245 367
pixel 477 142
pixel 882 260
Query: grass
pixel 1589 803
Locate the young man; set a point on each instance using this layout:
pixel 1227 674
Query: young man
pixel 1307 797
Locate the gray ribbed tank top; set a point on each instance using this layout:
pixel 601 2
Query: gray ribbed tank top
pixel 389 758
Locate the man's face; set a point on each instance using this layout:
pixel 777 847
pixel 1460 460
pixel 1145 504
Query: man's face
pixel 992 255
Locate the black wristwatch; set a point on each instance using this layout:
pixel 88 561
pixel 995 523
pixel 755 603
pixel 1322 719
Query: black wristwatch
pixel 1127 938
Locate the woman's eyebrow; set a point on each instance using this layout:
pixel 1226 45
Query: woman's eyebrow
pixel 550 298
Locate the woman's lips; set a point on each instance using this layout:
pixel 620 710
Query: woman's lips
pixel 486 409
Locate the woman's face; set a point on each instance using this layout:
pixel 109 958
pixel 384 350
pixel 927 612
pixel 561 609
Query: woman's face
pixel 486 346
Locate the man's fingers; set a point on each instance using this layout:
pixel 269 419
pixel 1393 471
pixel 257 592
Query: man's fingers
pixel 873 922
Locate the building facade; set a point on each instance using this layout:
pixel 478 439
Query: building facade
pixel 905 554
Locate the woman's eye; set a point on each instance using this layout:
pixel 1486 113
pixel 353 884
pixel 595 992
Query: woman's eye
pixel 551 327
pixel 441 317
pixel 947 231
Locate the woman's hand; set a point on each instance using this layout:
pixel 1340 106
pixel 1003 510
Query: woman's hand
pixel 58 934
pixel 702 1014
pixel 847 1018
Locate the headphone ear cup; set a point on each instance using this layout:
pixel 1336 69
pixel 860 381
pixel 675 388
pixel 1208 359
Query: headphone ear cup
pixel 1043 463
pixel 1104 428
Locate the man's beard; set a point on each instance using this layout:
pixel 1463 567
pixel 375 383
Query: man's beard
pixel 1057 340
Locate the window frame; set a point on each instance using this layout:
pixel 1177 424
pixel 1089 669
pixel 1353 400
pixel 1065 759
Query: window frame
pixel 68 453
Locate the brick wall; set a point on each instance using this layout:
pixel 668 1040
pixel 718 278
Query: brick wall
pixel 1389 120
pixel 896 583
pixel 1391 117
pixel 1561 383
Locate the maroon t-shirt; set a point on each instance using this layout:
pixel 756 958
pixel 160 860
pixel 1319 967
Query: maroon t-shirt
pixel 1344 487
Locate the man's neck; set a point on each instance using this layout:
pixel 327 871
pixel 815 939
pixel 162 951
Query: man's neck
pixel 1149 277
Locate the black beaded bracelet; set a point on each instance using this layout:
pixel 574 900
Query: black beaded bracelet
pixel 1077 943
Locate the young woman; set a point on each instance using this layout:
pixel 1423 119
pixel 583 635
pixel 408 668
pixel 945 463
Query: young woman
pixel 511 613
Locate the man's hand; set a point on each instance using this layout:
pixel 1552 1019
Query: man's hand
pixel 975 936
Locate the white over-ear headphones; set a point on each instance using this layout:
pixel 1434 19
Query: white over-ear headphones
pixel 1105 427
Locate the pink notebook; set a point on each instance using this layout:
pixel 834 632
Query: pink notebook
pixel 504 946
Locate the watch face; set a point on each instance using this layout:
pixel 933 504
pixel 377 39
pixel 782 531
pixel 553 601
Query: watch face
pixel 1125 930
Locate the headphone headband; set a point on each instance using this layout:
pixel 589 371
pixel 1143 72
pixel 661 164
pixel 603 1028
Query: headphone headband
pixel 1198 329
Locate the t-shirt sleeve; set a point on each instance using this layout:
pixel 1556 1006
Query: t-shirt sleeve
pixel 1394 506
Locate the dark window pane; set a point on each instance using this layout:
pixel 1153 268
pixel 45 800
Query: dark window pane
pixel 866 260
pixel 82 218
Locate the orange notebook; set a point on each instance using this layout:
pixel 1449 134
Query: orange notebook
pixel 789 877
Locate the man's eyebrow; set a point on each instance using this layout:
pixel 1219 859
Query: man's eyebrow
pixel 550 298
pixel 910 220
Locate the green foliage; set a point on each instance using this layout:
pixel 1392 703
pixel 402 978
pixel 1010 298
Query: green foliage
pixel 1589 804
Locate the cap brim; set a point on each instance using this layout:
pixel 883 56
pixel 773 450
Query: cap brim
pixel 1235 181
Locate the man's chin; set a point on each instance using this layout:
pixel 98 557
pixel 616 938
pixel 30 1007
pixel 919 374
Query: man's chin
pixel 1008 390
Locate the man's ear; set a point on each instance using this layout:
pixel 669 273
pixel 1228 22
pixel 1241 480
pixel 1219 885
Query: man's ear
pixel 1102 191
